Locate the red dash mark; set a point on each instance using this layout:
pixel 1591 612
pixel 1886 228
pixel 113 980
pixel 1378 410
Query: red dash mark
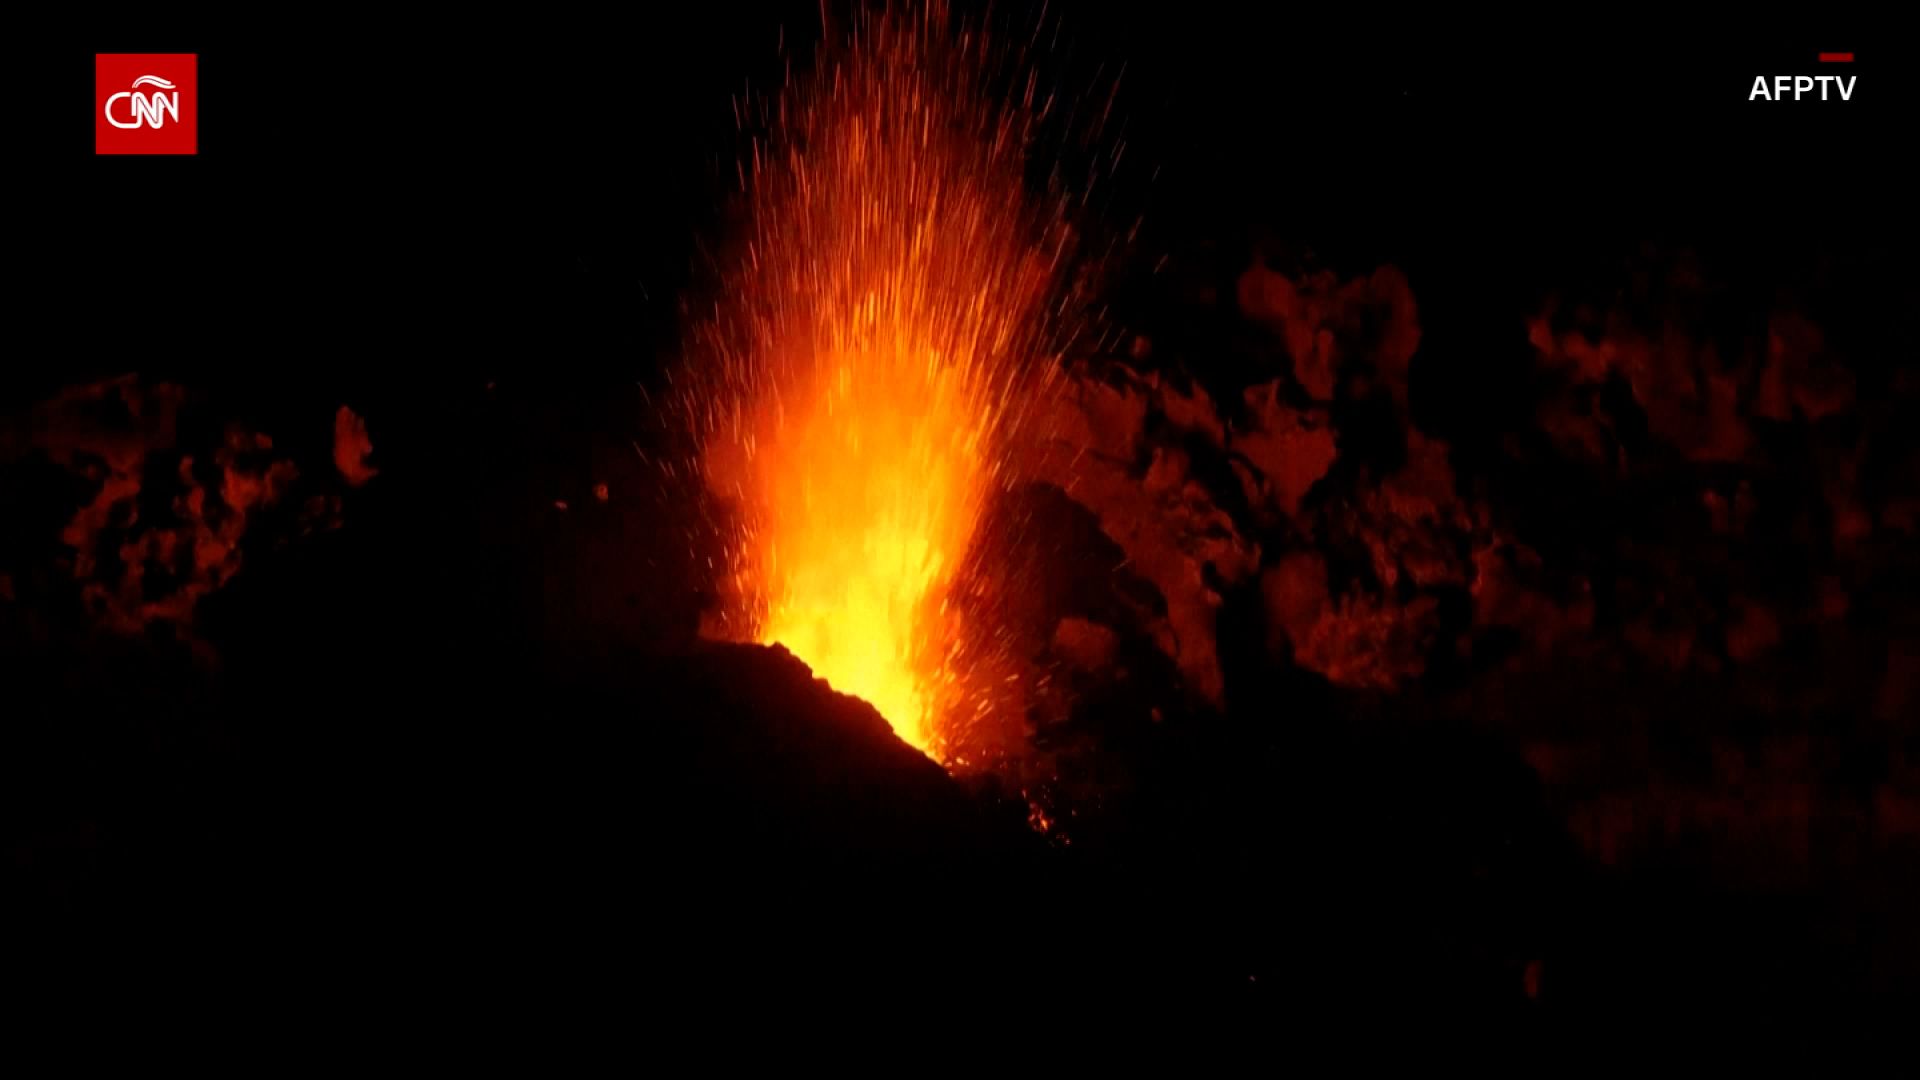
pixel 1836 58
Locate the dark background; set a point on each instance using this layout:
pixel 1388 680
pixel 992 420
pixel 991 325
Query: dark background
pixel 540 183
pixel 478 235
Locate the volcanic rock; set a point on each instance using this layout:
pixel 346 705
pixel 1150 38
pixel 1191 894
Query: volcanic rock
pixel 1087 646
pixel 1094 445
pixel 1358 641
pixel 1286 450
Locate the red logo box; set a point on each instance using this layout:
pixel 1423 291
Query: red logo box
pixel 146 103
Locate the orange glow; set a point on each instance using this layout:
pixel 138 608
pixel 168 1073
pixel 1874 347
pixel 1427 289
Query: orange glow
pixel 877 333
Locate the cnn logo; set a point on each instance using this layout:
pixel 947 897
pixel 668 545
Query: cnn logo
pixel 146 103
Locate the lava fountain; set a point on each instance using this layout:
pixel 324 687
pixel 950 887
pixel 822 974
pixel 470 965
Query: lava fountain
pixel 883 321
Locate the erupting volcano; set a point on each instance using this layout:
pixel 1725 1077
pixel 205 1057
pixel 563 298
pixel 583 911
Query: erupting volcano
pixel 884 318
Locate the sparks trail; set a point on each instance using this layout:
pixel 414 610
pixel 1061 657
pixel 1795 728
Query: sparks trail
pixel 886 315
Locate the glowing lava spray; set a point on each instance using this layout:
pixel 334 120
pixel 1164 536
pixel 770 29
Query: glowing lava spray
pixel 882 323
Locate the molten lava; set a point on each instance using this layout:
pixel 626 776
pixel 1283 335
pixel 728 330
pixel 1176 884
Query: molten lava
pixel 881 326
